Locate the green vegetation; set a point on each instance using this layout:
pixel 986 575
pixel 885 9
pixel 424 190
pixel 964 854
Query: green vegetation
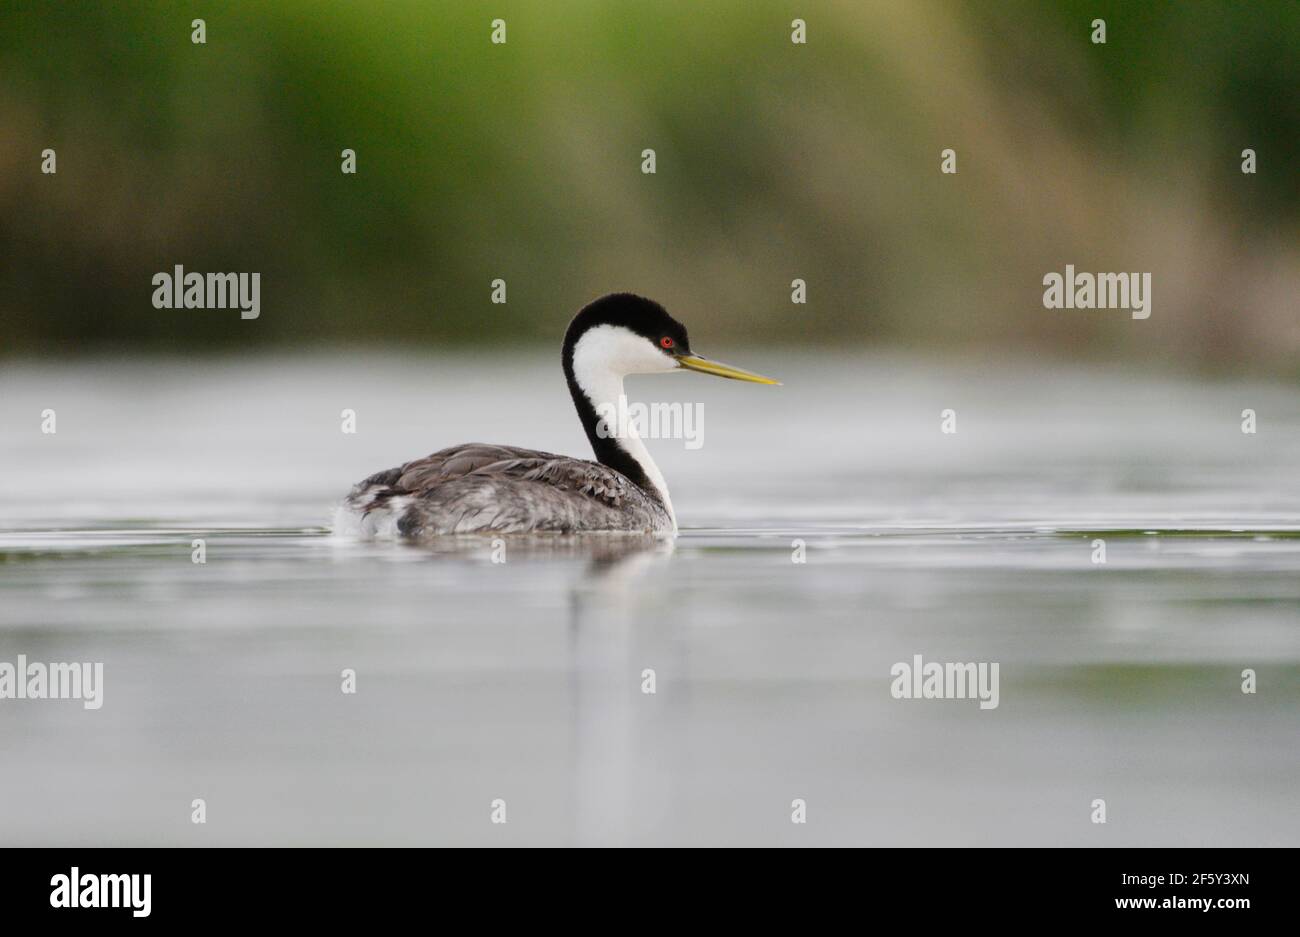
pixel 774 161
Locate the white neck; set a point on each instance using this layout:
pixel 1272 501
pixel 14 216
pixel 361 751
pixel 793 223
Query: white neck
pixel 601 358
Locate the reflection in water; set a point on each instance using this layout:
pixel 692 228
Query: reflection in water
pixel 522 679
pixel 605 680
pixel 606 552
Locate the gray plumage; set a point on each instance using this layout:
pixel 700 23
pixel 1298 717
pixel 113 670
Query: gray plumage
pixel 478 488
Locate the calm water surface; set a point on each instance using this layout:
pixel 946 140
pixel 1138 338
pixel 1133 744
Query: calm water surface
pixel 522 680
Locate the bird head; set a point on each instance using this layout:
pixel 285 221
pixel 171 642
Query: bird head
pixel 629 334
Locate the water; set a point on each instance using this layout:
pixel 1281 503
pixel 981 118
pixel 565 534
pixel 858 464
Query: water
pixel 522 680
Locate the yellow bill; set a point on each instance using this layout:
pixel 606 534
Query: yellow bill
pixel 705 366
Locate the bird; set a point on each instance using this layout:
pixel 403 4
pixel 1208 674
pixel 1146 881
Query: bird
pixel 476 488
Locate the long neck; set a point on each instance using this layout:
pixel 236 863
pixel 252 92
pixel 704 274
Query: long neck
pixel 596 390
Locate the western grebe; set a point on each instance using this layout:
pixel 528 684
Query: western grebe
pixel 477 488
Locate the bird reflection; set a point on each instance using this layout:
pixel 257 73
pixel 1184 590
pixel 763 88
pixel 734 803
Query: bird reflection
pixel 605 551
pixel 615 631
pixel 614 635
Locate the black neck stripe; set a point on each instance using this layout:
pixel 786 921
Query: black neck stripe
pixel 607 449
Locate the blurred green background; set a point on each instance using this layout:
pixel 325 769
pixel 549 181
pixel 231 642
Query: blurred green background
pixel 775 161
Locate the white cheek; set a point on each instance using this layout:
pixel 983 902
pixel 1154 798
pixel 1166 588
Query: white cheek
pixel 647 359
pixel 619 351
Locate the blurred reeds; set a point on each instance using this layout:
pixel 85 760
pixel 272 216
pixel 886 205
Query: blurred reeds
pixel 774 161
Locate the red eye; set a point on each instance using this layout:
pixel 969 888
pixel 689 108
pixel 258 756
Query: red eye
pixel 666 342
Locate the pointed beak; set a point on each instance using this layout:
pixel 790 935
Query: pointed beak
pixel 705 366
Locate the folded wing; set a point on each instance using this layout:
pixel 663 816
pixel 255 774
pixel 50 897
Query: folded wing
pixel 478 488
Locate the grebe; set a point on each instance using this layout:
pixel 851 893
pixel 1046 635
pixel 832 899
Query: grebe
pixel 477 488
